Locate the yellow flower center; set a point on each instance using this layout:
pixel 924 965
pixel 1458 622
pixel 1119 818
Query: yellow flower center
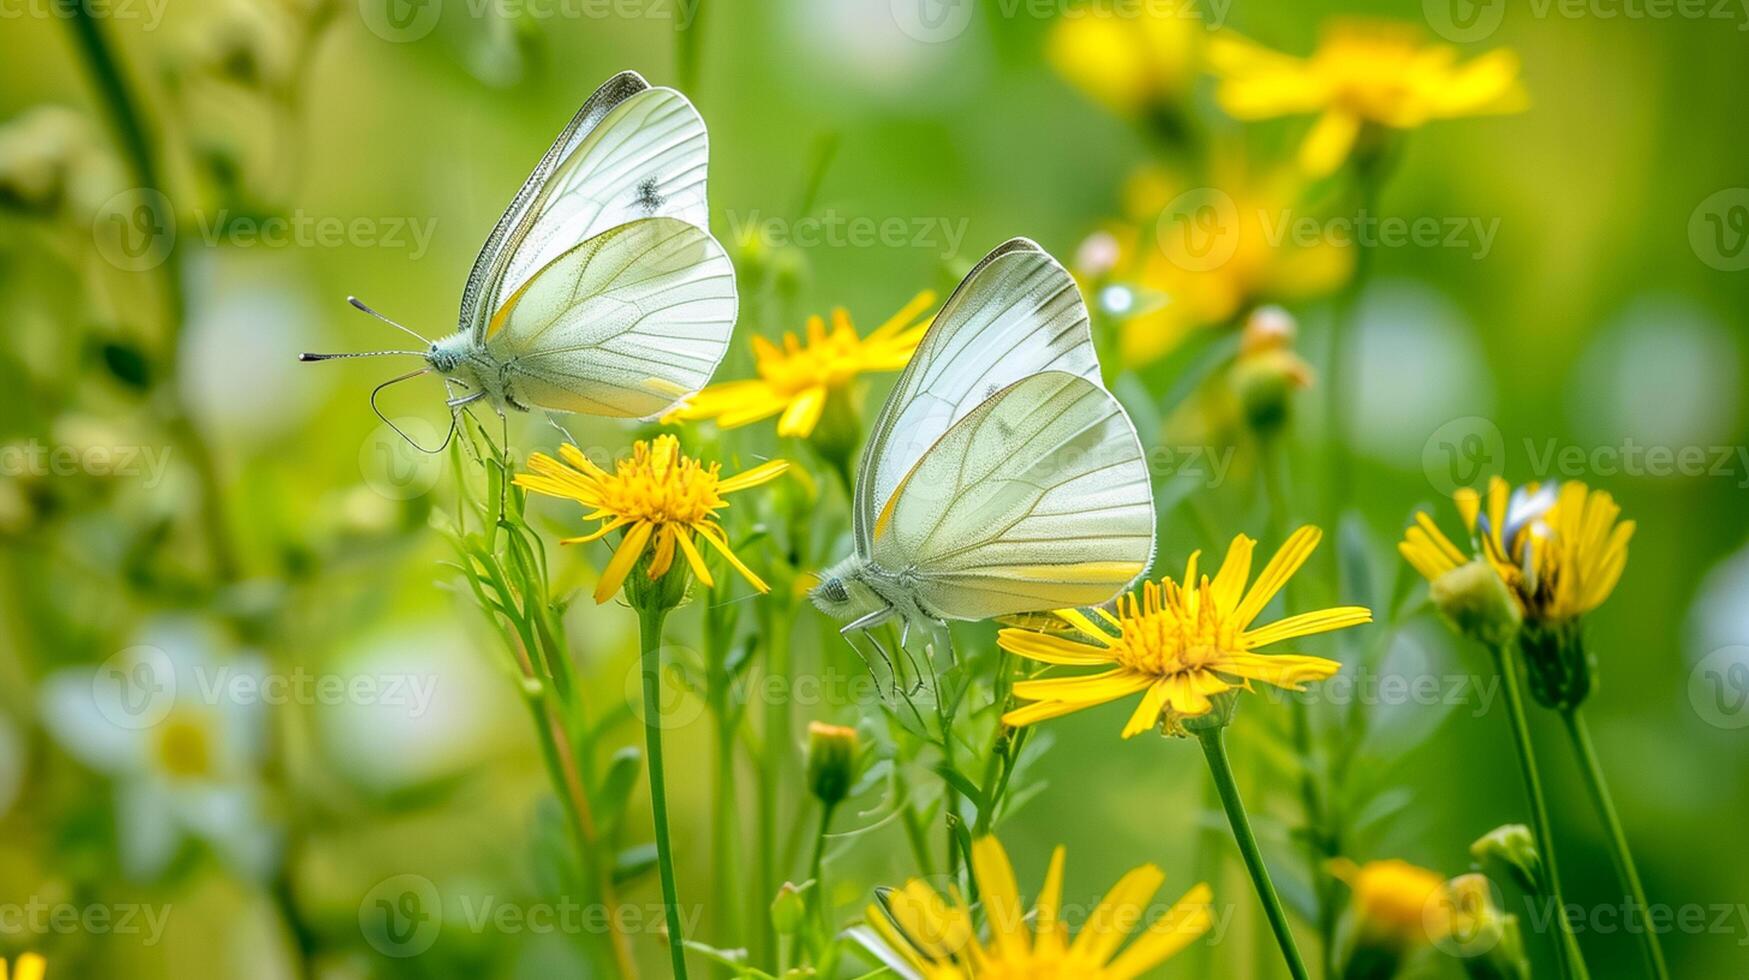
pixel 1370 74
pixel 1166 633
pixel 828 359
pixel 184 746
pixel 661 485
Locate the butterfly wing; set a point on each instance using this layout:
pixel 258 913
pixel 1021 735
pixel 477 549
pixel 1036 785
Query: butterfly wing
pixel 623 325
pixel 1038 499
pixel 631 152
pixel 1016 313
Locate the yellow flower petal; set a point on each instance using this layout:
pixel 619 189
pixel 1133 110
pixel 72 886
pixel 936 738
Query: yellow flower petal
pixel 624 557
pixel 1286 562
pixel 1308 623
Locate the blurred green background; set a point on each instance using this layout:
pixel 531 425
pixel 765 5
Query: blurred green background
pixel 1605 312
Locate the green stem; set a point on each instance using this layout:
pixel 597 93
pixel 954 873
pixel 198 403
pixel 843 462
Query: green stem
pixel 1624 858
pixel 650 617
pixel 817 872
pixel 1566 947
pixel 776 748
pixel 686 38
pixel 1321 835
pixel 136 144
pixel 1336 402
pixel 723 833
pixel 1214 748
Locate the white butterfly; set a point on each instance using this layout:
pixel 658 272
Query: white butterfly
pixel 1001 477
pixel 600 290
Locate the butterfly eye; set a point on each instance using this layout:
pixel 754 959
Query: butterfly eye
pixel 834 591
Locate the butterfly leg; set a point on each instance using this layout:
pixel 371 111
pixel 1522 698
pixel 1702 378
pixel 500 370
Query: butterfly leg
pixel 554 419
pixel 865 625
pixel 504 457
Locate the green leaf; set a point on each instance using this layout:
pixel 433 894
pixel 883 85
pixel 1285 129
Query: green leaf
pixel 633 862
pixel 617 784
pixel 966 787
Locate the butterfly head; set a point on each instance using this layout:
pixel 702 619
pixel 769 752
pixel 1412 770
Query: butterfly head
pixel 843 591
pixel 447 355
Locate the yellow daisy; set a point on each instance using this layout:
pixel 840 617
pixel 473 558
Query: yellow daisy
pixel 797 378
pixel 1363 73
pixel 1559 550
pixel 1395 903
pixel 1203 257
pixel 660 497
pixel 924 935
pixel 1178 646
pixel 1131 64
pixel 28 966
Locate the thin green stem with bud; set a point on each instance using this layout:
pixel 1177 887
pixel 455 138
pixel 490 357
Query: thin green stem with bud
pixel 1566 946
pixel 1618 841
pixel 1215 749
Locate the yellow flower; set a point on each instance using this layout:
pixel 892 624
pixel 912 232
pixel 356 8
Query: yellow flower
pixel 797 378
pixel 934 937
pixel 1200 257
pixel 1363 72
pixel 1559 549
pixel 28 966
pixel 1180 645
pixel 659 496
pixel 1396 903
pixel 1129 62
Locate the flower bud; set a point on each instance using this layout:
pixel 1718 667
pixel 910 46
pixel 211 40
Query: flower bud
pixel 1265 382
pixel 832 751
pixel 1511 846
pixel 1486 940
pixel 1396 908
pixel 1097 255
pixel 788 909
pixel 1477 604
pixel 1268 328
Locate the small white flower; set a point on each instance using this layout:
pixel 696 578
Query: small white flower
pixel 161 720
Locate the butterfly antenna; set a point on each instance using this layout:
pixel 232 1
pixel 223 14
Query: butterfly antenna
pixel 390 423
pixel 360 306
pixel 364 353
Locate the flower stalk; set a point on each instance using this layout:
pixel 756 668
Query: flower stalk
pixel 1619 853
pixel 1567 952
pixel 1215 750
pixel 653 603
